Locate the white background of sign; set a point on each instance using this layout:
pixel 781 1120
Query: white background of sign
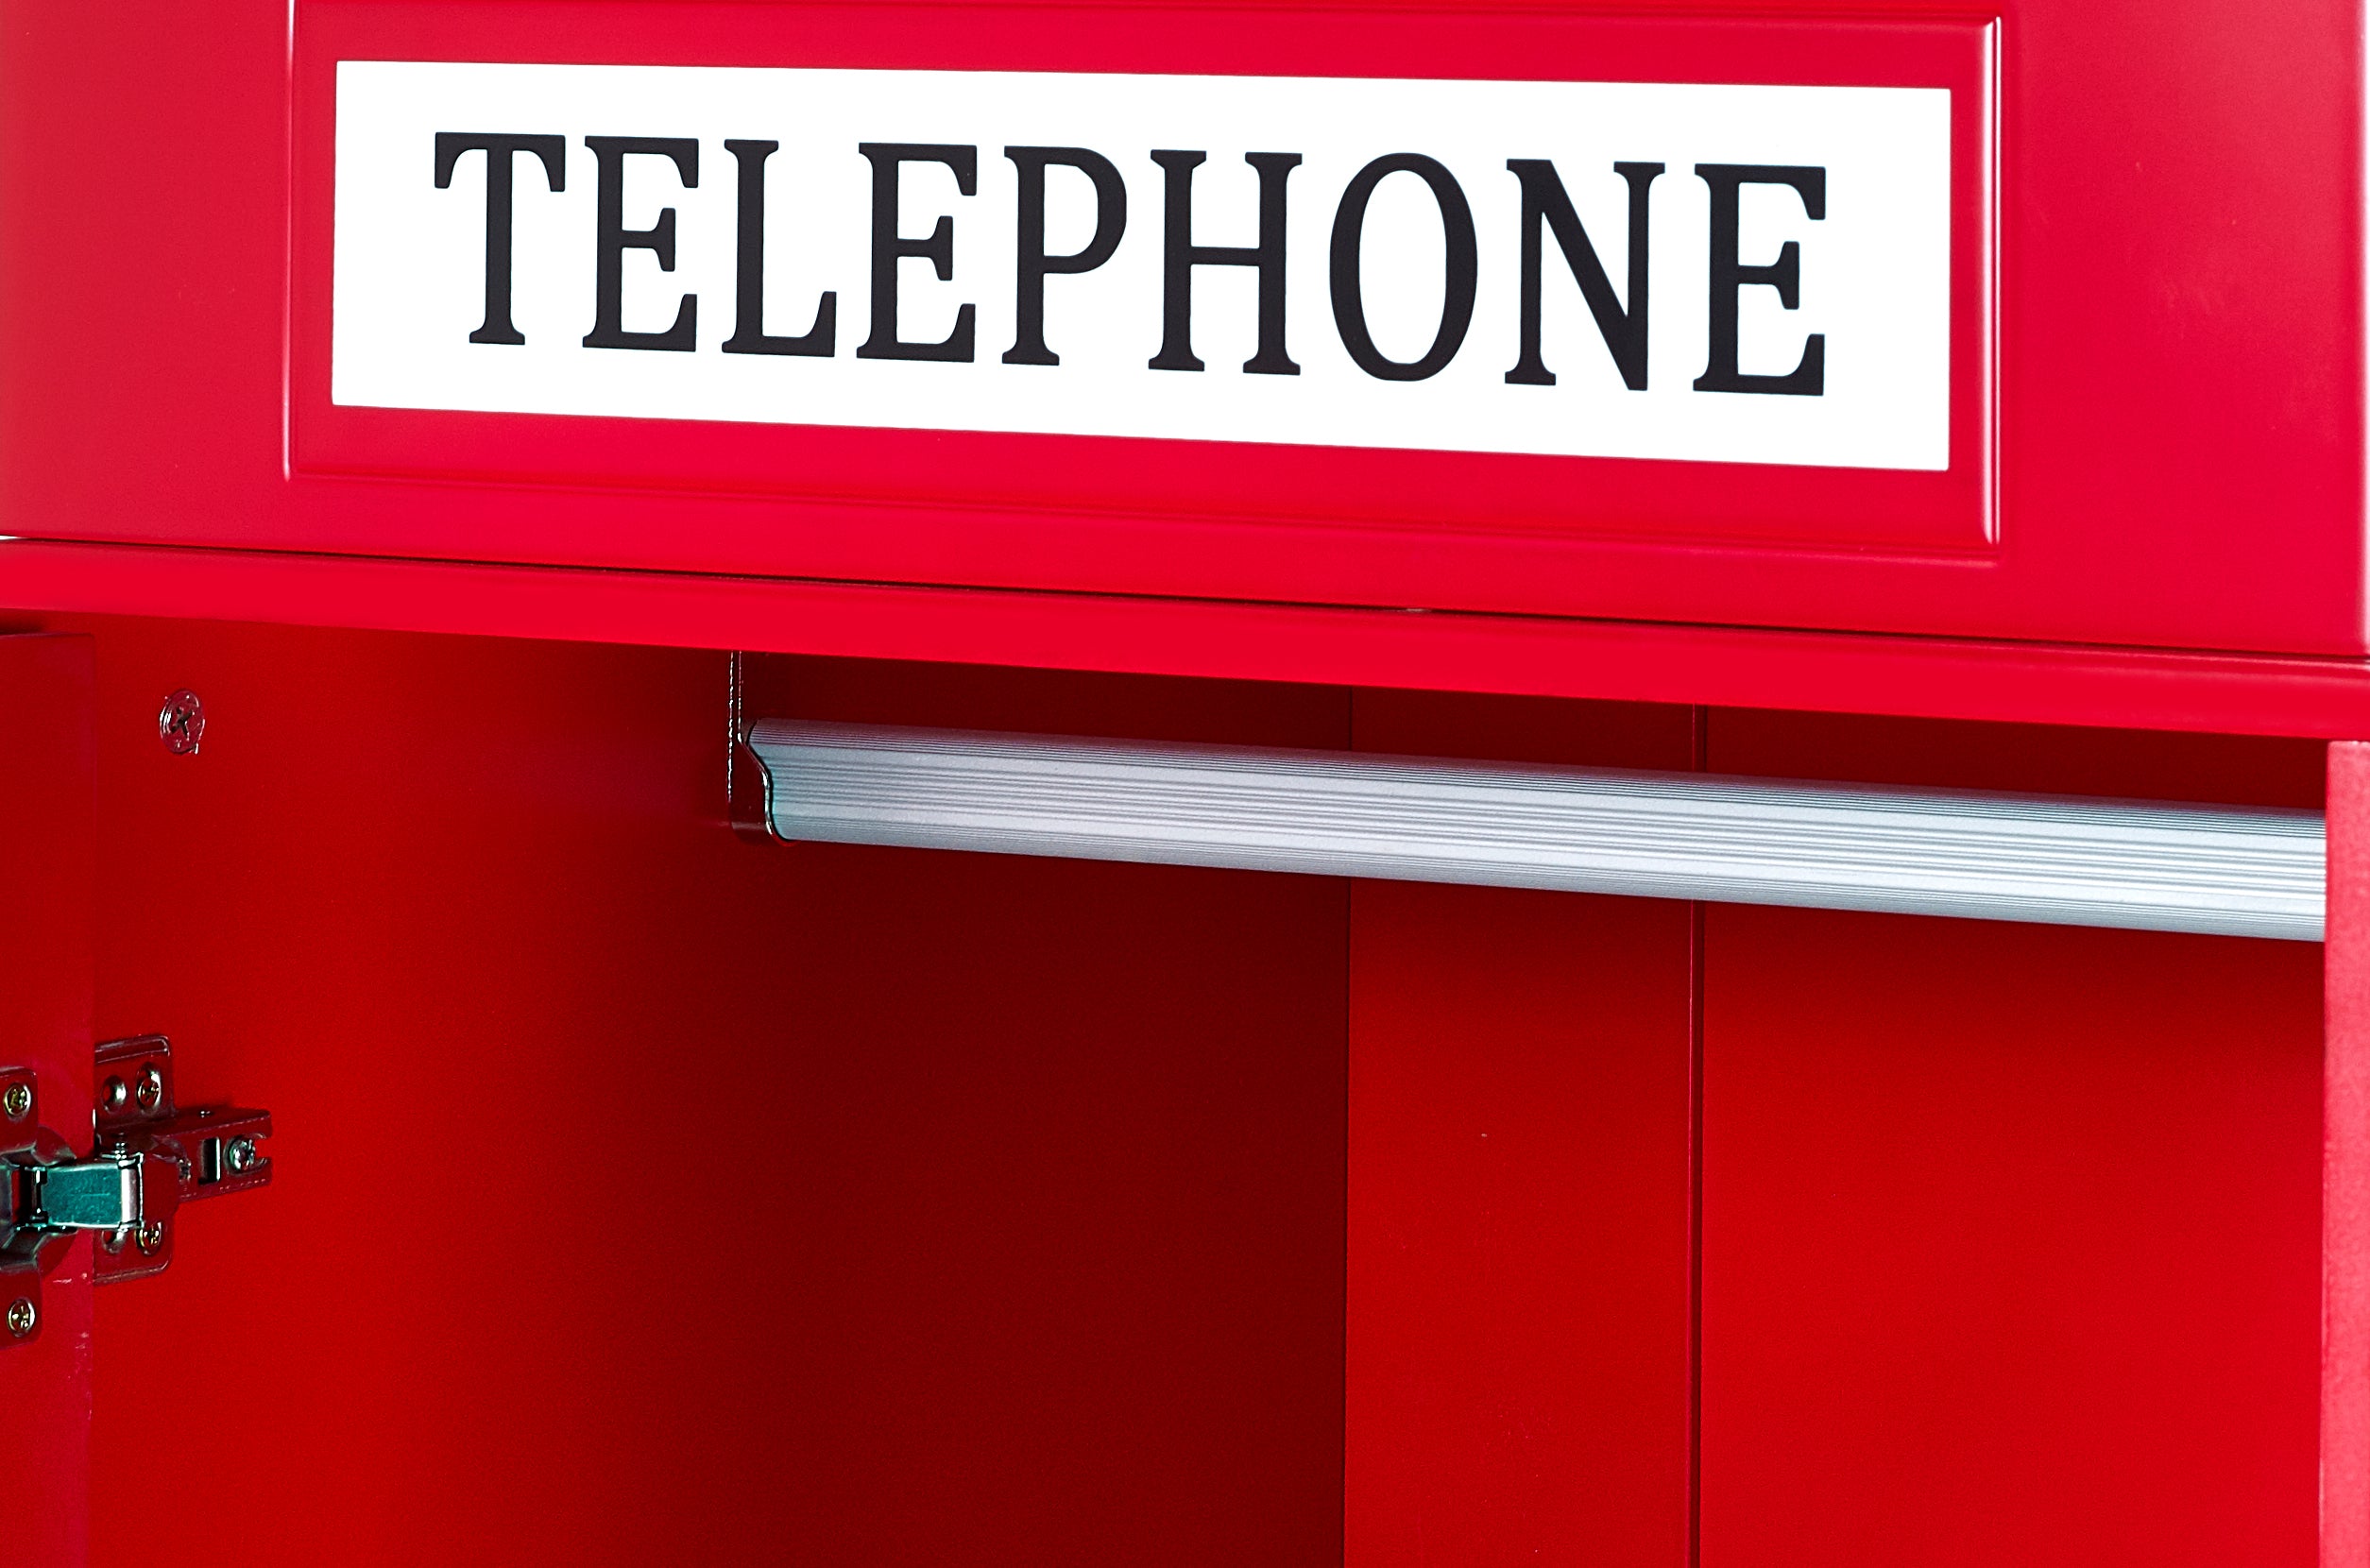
pixel 410 257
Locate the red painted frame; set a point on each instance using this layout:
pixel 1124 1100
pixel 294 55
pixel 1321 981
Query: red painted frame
pixel 1045 487
pixel 2345 1168
pixel 2179 408
pixel 1930 678
pixel 48 812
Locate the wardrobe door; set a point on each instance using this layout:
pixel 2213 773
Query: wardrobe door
pixel 47 802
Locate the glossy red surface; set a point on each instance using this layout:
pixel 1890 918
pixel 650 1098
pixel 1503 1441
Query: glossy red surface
pixel 47 794
pixel 2011 1239
pixel 645 1194
pixel 2346 1167
pixel 2053 683
pixel 2177 325
pixel 2011 1245
pixel 1519 1251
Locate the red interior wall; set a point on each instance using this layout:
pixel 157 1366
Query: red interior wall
pixel 646 1195
pixel 2011 1246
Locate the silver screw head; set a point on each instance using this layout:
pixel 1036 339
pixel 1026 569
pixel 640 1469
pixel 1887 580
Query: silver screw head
pixel 151 1236
pixel 113 1241
pixel 182 723
pixel 151 1091
pixel 113 1094
pixel 240 1156
pixel 22 1314
pixel 16 1100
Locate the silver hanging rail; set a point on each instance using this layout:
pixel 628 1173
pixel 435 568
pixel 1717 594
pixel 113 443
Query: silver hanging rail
pixel 2060 860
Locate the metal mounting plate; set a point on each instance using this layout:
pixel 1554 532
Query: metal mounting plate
pixel 148 1158
pixel 184 1155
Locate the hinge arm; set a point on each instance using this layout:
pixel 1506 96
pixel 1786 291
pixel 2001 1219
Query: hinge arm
pixel 150 1158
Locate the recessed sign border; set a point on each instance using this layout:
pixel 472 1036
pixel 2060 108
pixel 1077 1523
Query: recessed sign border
pixel 1052 487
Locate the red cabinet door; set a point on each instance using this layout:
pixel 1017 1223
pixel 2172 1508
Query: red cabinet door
pixel 48 796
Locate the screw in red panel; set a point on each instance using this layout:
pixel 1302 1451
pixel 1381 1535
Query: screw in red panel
pixel 182 723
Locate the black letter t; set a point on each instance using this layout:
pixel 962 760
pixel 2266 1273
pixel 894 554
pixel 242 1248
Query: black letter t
pixel 499 151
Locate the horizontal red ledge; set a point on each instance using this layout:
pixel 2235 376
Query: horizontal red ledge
pixel 1728 666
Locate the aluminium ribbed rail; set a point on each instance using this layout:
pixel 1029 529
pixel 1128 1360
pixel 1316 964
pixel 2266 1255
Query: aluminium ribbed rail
pixel 2061 859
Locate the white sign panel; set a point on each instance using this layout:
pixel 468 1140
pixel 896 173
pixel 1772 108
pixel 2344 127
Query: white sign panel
pixel 1712 273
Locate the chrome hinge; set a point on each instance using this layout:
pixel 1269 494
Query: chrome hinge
pixel 148 1158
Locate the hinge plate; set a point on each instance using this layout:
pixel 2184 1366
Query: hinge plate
pixel 148 1158
pixel 184 1155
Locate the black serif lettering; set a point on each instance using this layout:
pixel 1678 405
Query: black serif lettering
pixel 500 151
pixel 888 248
pixel 748 320
pixel 612 239
pixel 1111 221
pixel 1180 256
pixel 1349 289
pixel 1545 206
pixel 1808 378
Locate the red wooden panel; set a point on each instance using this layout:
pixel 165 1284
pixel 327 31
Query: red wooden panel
pixel 2010 1233
pixel 645 1196
pixel 47 791
pixel 2177 375
pixel 2131 764
pixel 2064 684
pixel 2011 1245
pixel 1519 1243
pixel 2346 1169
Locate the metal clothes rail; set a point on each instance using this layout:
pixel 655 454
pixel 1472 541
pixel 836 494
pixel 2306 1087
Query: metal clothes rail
pixel 2061 859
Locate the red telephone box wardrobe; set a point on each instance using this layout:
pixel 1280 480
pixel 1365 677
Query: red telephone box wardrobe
pixel 794 931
